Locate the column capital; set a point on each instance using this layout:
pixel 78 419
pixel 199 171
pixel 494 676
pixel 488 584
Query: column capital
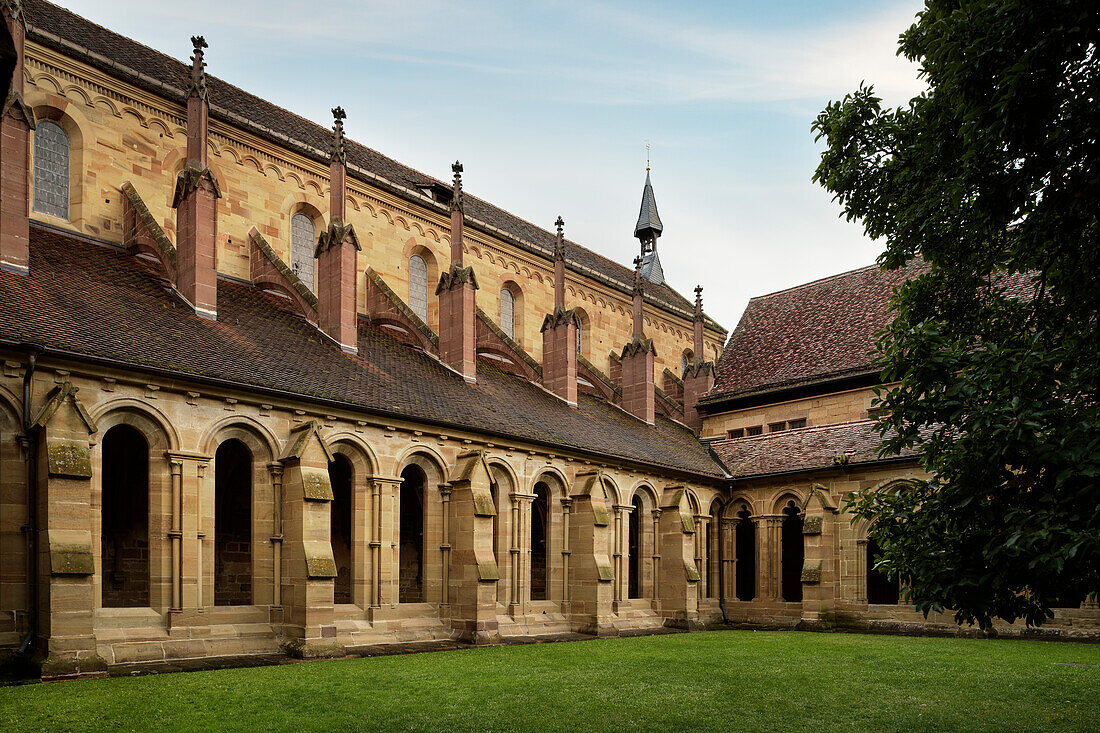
pixel 445 490
pixel 180 455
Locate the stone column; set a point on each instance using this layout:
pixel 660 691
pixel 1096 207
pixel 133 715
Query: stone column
pixel 770 578
pixel 474 573
pixel 593 577
pixel 701 555
pixel 445 546
pixel 276 470
pixel 566 510
pixel 65 646
pixel 729 558
pixel 308 565
pixel 175 534
pixel 680 575
pixel 656 559
pixel 382 545
pixel 818 572
pixel 617 545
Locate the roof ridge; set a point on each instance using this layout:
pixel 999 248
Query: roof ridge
pixel 820 280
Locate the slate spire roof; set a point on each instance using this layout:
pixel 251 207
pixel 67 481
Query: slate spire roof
pixel 648 228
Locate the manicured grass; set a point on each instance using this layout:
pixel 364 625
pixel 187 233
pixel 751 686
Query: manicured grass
pixel 722 680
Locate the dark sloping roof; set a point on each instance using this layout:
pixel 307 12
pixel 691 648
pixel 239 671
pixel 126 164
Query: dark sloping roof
pixel 821 330
pixel 801 450
pixel 648 218
pixel 96 301
pixel 152 70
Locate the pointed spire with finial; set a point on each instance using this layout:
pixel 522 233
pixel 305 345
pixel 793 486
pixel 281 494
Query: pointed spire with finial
pixel 559 265
pixel 647 230
pixel 198 67
pixel 456 194
pixel 338 151
pixel 698 300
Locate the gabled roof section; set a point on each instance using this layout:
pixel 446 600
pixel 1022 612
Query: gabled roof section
pixel 816 332
pixel 95 302
pixel 154 71
pixel 805 449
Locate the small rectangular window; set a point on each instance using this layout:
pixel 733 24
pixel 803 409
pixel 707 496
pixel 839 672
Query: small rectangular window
pixel 736 433
pixel 777 427
pixel 796 424
pixel 754 430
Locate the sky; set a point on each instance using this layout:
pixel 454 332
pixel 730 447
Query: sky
pixel 550 105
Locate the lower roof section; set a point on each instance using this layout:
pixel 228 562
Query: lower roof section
pixel 95 301
pixel 804 449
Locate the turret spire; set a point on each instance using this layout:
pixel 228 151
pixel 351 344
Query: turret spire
pixel 647 230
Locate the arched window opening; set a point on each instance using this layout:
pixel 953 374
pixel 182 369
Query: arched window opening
pixel 51 169
pixel 232 524
pixel 508 312
pixel 418 286
pixel 686 359
pixel 794 553
pixel 540 531
pixel 303 241
pixel 745 554
pixel 125 527
pixel 411 536
pixel 582 330
pixel 634 548
pixel 340 522
pixel 881 589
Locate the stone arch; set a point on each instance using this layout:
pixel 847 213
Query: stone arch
pixel 12 404
pixel 553 477
pixel 505 482
pixel 358 450
pixel 783 497
pixel 419 295
pixel 318 189
pixel 584 333
pixel 641 541
pixel 611 489
pixel 418 522
pixel 244 427
pixel 110 413
pixel 429 459
pixel 165 130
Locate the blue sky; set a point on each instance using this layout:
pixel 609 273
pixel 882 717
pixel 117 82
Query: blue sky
pixel 549 105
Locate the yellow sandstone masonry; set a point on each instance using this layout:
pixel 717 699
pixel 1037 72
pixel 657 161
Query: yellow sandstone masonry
pixel 120 133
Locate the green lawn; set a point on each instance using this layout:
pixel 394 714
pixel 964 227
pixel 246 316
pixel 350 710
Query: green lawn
pixel 721 680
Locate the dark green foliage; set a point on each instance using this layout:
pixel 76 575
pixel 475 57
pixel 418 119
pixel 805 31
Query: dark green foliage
pixel 992 178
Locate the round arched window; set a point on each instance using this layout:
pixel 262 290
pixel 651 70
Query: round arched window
pixel 418 286
pixel 302 247
pixel 51 169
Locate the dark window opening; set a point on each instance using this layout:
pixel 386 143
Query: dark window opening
pixel 340 475
pixel 736 433
pixel 777 427
pixel 634 547
pixel 880 588
pixel 125 528
pixel 745 553
pixel 794 554
pixel 796 424
pixel 411 536
pixel 232 524
pixel 540 518
pixel 754 430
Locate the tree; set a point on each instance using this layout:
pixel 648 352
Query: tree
pixel 988 183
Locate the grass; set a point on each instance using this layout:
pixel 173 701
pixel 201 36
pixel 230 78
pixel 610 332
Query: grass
pixel 721 680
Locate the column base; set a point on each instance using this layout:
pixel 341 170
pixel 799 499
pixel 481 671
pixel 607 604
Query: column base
pixel 313 649
pixel 477 633
pixel 67 666
pixel 686 623
pixel 600 630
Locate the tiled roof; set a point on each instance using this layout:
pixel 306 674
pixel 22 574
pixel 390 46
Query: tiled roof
pixel 804 449
pixel 820 330
pixel 96 301
pixel 154 71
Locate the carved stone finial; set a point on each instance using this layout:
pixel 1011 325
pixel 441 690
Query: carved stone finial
pixel 12 8
pixel 699 297
pixel 456 196
pixel 198 67
pixel 338 151
pixel 559 245
pixel 638 274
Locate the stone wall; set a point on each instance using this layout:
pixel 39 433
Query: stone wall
pixel 120 134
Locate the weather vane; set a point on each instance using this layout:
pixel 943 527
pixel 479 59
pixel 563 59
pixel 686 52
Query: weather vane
pixel 647 154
